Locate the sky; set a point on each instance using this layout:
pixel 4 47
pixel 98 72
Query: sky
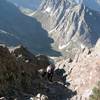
pixel 34 4
pixel 93 4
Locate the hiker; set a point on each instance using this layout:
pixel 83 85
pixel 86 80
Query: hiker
pixel 50 72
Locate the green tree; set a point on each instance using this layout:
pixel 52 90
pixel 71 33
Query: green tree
pixel 96 92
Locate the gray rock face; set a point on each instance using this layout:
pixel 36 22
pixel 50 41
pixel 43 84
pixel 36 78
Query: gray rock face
pixel 68 22
pixel 84 72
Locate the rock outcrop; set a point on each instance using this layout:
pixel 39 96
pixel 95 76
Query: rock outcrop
pixel 83 73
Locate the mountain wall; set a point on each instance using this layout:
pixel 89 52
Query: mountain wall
pixel 69 24
pixel 83 72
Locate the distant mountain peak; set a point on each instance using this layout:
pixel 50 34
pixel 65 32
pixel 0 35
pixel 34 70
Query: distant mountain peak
pixel 70 23
pixel 56 3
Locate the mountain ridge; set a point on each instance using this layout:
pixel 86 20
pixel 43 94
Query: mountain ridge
pixel 74 22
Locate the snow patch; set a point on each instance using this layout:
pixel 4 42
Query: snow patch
pixel 62 47
pixel 53 58
pixel 12 49
pixel 52 30
pixel 19 56
pixel 90 13
pixel 82 46
pixel 3 45
pixel 31 98
pixel 3 31
pixel 48 9
pixel 31 14
pixel 26 61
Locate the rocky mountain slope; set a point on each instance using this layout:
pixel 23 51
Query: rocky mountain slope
pixel 69 24
pixel 73 79
pixel 83 71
